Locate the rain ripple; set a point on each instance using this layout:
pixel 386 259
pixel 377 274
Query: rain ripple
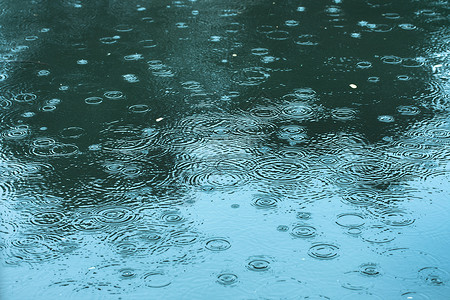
pixel 277 170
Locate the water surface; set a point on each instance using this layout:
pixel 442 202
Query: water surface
pixel 224 149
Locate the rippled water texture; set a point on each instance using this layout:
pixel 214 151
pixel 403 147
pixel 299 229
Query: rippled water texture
pixel 224 149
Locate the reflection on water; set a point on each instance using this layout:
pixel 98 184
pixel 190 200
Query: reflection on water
pixel 224 150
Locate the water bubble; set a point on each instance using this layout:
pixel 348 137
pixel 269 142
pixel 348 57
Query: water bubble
pixel 25 97
pixel 408 110
pixel 114 95
pixel 414 296
pixel 293 137
pixel 215 38
pixel 282 228
pixel 234 27
pixel 217 244
pixel 133 57
pixel 31 38
pixel 370 269
pixel 265 202
pixel 88 224
pixel 95 147
pixel 380 28
pixel 351 220
pixel 16 133
pixel 303 215
pixel 260 51
pixel 373 79
pixel 267 112
pixel 131 78
pixel 3 77
pixel 156 280
pixel 215 179
pixel 279 35
pixel 354 231
pixel 227 279
pixel 53 101
pixel 148 43
pixel 364 65
pixel 43 142
pixel 93 100
pixel 139 108
pixel 64 149
pixel 403 77
pixel 108 40
pixel 47 218
pixel 391 15
pixel 407 26
pixel 115 215
pixel 147 20
pixel 43 73
pixel 181 25
pixel 192 86
pixel 386 119
pixel 268 59
pixel 291 23
pixel 7 228
pixel 127 273
pixel 324 251
pixel 123 28
pixel 172 217
pixel 182 238
pixel 258 265
pixel 344 114
pixel 304 231
pixel 391 60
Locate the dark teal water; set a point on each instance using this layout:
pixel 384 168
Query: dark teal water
pixel 224 149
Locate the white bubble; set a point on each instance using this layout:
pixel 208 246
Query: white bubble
pixel 181 25
pixel 43 73
pixel 386 118
pixel 130 78
pixel 215 38
pixel 135 56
